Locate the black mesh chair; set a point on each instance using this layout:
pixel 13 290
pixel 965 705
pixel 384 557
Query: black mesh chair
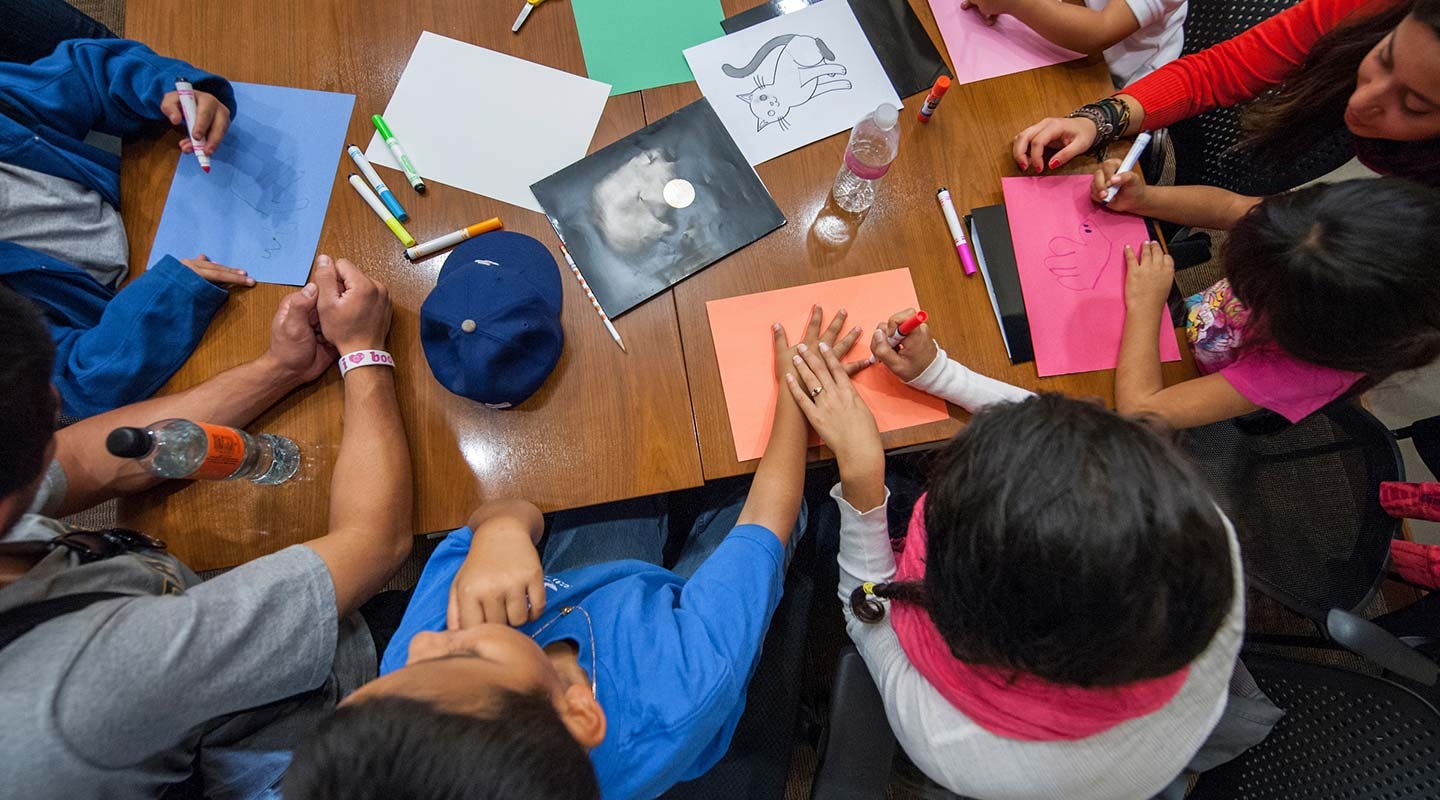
pixel 1204 145
pixel 1305 502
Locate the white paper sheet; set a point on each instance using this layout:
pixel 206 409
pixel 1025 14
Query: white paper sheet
pixel 792 80
pixel 486 122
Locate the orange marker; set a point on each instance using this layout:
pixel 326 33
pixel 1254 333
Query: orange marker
pixel 942 85
pixel 452 239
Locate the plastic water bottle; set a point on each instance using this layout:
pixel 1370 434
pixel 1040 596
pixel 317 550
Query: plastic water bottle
pixel 873 145
pixel 179 448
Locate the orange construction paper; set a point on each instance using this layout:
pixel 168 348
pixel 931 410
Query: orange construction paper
pixel 744 346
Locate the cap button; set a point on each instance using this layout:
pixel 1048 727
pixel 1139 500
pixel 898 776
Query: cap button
pixel 468 326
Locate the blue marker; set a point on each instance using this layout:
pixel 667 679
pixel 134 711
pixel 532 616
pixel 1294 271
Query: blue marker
pixel 386 196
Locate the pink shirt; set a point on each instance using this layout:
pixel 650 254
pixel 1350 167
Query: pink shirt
pixel 1265 375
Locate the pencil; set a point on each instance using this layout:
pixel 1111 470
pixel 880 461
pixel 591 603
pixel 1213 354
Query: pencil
pixel 605 318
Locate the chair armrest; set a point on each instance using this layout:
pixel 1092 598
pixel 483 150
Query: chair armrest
pixel 1367 639
pixel 857 746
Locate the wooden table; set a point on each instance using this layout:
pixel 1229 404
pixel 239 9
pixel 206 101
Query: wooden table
pixel 607 425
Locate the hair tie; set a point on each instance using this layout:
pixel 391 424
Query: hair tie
pixel 869 588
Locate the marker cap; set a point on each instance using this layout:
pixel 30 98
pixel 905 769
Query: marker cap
pixel 400 232
pixel 388 198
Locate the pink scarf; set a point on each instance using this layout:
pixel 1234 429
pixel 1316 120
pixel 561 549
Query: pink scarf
pixel 1016 706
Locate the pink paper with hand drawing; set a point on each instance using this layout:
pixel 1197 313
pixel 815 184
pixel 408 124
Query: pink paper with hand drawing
pixel 979 51
pixel 1070 252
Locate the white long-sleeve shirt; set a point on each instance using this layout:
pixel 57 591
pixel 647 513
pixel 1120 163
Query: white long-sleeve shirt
pixel 1134 759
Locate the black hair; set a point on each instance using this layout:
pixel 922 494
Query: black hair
pixel 1342 275
pixel 396 747
pixel 27 413
pixel 1069 543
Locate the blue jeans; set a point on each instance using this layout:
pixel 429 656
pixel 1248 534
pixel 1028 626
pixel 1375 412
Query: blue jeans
pixel 34 28
pixel 637 529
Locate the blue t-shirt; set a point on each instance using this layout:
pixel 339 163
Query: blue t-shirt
pixel 673 656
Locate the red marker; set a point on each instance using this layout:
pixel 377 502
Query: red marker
pixel 906 327
pixel 942 85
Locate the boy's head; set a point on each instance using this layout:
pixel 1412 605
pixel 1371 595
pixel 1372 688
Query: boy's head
pixel 28 404
pixel 1070 543
pixel 483 712
pixel 1343 275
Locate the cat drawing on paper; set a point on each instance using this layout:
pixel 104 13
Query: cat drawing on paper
pixel 1078 262
pixel 799 68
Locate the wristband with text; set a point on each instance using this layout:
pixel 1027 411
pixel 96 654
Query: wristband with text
pixel 365 358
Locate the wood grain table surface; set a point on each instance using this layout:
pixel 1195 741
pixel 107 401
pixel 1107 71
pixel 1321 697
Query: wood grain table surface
pixel 607 425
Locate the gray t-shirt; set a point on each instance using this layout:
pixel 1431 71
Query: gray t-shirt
pixel 119 699
pixel 63 219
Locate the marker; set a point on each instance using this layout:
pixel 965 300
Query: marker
pixel 381 211
pixel 906 327
pixel 411 174
pixel 386 196
pixel 187 107
pixel 524 14
pixel 942 85
pixel 957 231
pixel 589 295
pixel 1128 163
pixel 452 239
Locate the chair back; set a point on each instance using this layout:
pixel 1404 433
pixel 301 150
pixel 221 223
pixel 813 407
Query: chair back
pixel 1305 501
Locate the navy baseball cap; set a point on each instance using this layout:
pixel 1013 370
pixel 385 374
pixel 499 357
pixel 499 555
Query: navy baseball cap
pixel 491 326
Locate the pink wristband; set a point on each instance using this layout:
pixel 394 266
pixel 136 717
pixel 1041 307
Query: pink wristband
pixel 365 358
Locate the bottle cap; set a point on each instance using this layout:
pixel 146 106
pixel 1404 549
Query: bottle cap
pixel 886 116
pixel 129 442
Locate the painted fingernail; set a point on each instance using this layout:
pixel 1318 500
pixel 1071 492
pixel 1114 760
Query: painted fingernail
pixel 1024 165
pixel 775 326
pixel 824 348
pixel 842 312
pixel 801 347
pixel 796 359
pixel 1054 162
pixel 855 331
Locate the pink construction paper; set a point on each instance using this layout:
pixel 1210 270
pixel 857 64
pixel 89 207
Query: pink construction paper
pixel 1070 252
pixel 979 51
pixel 745 349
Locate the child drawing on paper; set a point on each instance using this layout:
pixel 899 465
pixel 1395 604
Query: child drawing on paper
pixel 800 68
pixel 1078 262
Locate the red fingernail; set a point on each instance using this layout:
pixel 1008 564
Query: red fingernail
pixel 1054 162
pixel 1024 165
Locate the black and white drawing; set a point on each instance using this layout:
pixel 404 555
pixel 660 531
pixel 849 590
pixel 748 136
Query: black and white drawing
pixel 800 68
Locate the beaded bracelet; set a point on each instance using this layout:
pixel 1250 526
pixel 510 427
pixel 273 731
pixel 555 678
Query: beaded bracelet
pixel 1111 118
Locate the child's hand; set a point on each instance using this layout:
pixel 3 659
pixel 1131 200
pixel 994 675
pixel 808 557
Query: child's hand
pixel 821 386
pixel 218 274
pixel 784 353
pixel 212 119
pixel 912 356
pixel 501 580
pixel 989 10
pixel 1148 278
pixel 1131 196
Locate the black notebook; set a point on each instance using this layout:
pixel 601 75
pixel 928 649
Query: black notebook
pixel 906 51
pixel 995 252
pixel 658 206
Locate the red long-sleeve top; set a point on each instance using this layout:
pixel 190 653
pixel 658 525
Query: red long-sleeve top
pixel 1241 68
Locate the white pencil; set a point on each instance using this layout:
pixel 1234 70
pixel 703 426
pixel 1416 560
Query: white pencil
pixel 584 286
pixel 1138 147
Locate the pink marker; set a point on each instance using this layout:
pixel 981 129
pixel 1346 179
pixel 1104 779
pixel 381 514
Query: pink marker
pixel 906 327
pixel 957 231
pixel 187 108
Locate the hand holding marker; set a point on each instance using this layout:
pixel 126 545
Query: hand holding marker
pixel 903 329
pixel 1127 164
pixel 187 107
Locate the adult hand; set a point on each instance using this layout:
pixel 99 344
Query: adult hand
pixel 1071 135
pixel 297 348
pixel 989 10
pixel 212 119
pixel 217 274
pixel 354 310
pixel 1148 278
pixel 501 580
pixel 822 389
pixel 784 353
pixel 912 356
pixel 1132 192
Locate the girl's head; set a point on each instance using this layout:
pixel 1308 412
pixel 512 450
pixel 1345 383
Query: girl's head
pixel 1070 543
pixel 1380 74
pixel 1343 275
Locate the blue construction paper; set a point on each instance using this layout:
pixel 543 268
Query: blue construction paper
pixel 263 203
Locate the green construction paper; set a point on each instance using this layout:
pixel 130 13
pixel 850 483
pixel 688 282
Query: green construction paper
pixel 640 44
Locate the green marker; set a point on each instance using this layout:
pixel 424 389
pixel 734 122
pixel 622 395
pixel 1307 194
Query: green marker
pixel 411 174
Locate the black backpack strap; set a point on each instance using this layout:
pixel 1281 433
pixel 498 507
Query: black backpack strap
pixel 21 620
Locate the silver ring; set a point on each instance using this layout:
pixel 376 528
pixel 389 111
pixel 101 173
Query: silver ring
pixel 814 393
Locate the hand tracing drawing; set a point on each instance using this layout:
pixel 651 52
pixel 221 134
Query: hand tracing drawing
pixel 1078 262
pixel 800 68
